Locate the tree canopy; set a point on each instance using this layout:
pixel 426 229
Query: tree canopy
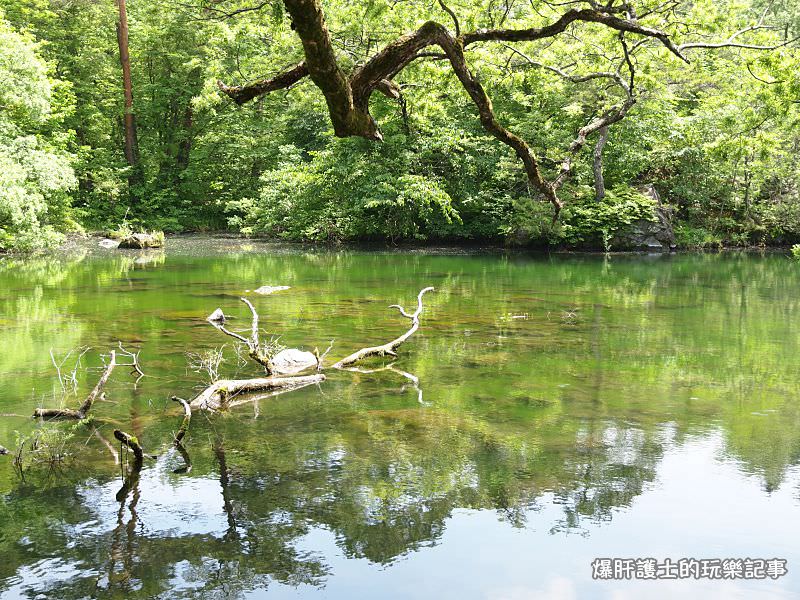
pixel 491 117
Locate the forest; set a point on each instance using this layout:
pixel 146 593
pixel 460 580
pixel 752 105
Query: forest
pixel 520 122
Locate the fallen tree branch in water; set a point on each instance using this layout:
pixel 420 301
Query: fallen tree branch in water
pixel 286 362
pixel 254 349
pixel 133 444
pixel 187 417
pixel 132 477
pixel 218 395
pixel 83 411
pixel 134 356
pixel 390 347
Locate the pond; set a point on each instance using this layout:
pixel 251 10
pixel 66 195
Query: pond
pixel 565 408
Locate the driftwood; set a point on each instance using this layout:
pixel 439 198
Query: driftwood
pixel 389 347
pixel 227 393
pixel 97 392
pixel 133 444
pixel 131 479
pixel 254 349
pixel 187 417
pixel 219 394
pixel 83 411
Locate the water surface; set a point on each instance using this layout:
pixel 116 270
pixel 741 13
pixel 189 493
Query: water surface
pixel 568 408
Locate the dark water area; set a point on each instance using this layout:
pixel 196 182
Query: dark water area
pixel 549 411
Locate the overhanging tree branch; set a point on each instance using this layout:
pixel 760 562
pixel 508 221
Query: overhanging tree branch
pixel 348 95
pixel 242 93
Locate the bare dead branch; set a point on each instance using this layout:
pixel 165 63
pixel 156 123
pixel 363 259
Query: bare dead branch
pixel 83 411
pixel 321 358
pixel 255 351
pixel 218 395
pixel 388 349
pixel 134 364
pixel 69 379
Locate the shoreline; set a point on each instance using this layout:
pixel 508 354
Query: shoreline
pixel 436 247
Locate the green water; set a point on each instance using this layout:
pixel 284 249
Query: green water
pixel 568 408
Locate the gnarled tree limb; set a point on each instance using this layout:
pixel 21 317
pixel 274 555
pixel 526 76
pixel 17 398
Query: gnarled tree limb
pixel 389 347
pixel 242 93
pixel 348 95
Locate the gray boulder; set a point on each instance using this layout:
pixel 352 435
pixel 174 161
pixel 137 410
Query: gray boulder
pixel 140 241
pixel 291 361
pixel 648 234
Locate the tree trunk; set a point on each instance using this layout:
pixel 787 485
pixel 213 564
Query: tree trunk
pixel 599 183
pixel 185 145
pixel 129 121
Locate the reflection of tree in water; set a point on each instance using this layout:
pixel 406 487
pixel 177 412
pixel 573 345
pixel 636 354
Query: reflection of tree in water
pixel 384 473
pixel 384 483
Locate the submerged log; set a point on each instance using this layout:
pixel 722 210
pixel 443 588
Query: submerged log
pixel 388 349
pixel 218 395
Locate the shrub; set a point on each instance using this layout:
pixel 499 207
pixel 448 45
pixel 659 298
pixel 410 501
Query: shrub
pixel 587 222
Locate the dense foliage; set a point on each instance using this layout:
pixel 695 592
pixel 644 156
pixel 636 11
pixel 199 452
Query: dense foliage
pixel 718 138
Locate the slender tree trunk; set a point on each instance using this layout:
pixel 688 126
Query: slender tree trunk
pixel 599 182
pixel 131 142
pixel 185 145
